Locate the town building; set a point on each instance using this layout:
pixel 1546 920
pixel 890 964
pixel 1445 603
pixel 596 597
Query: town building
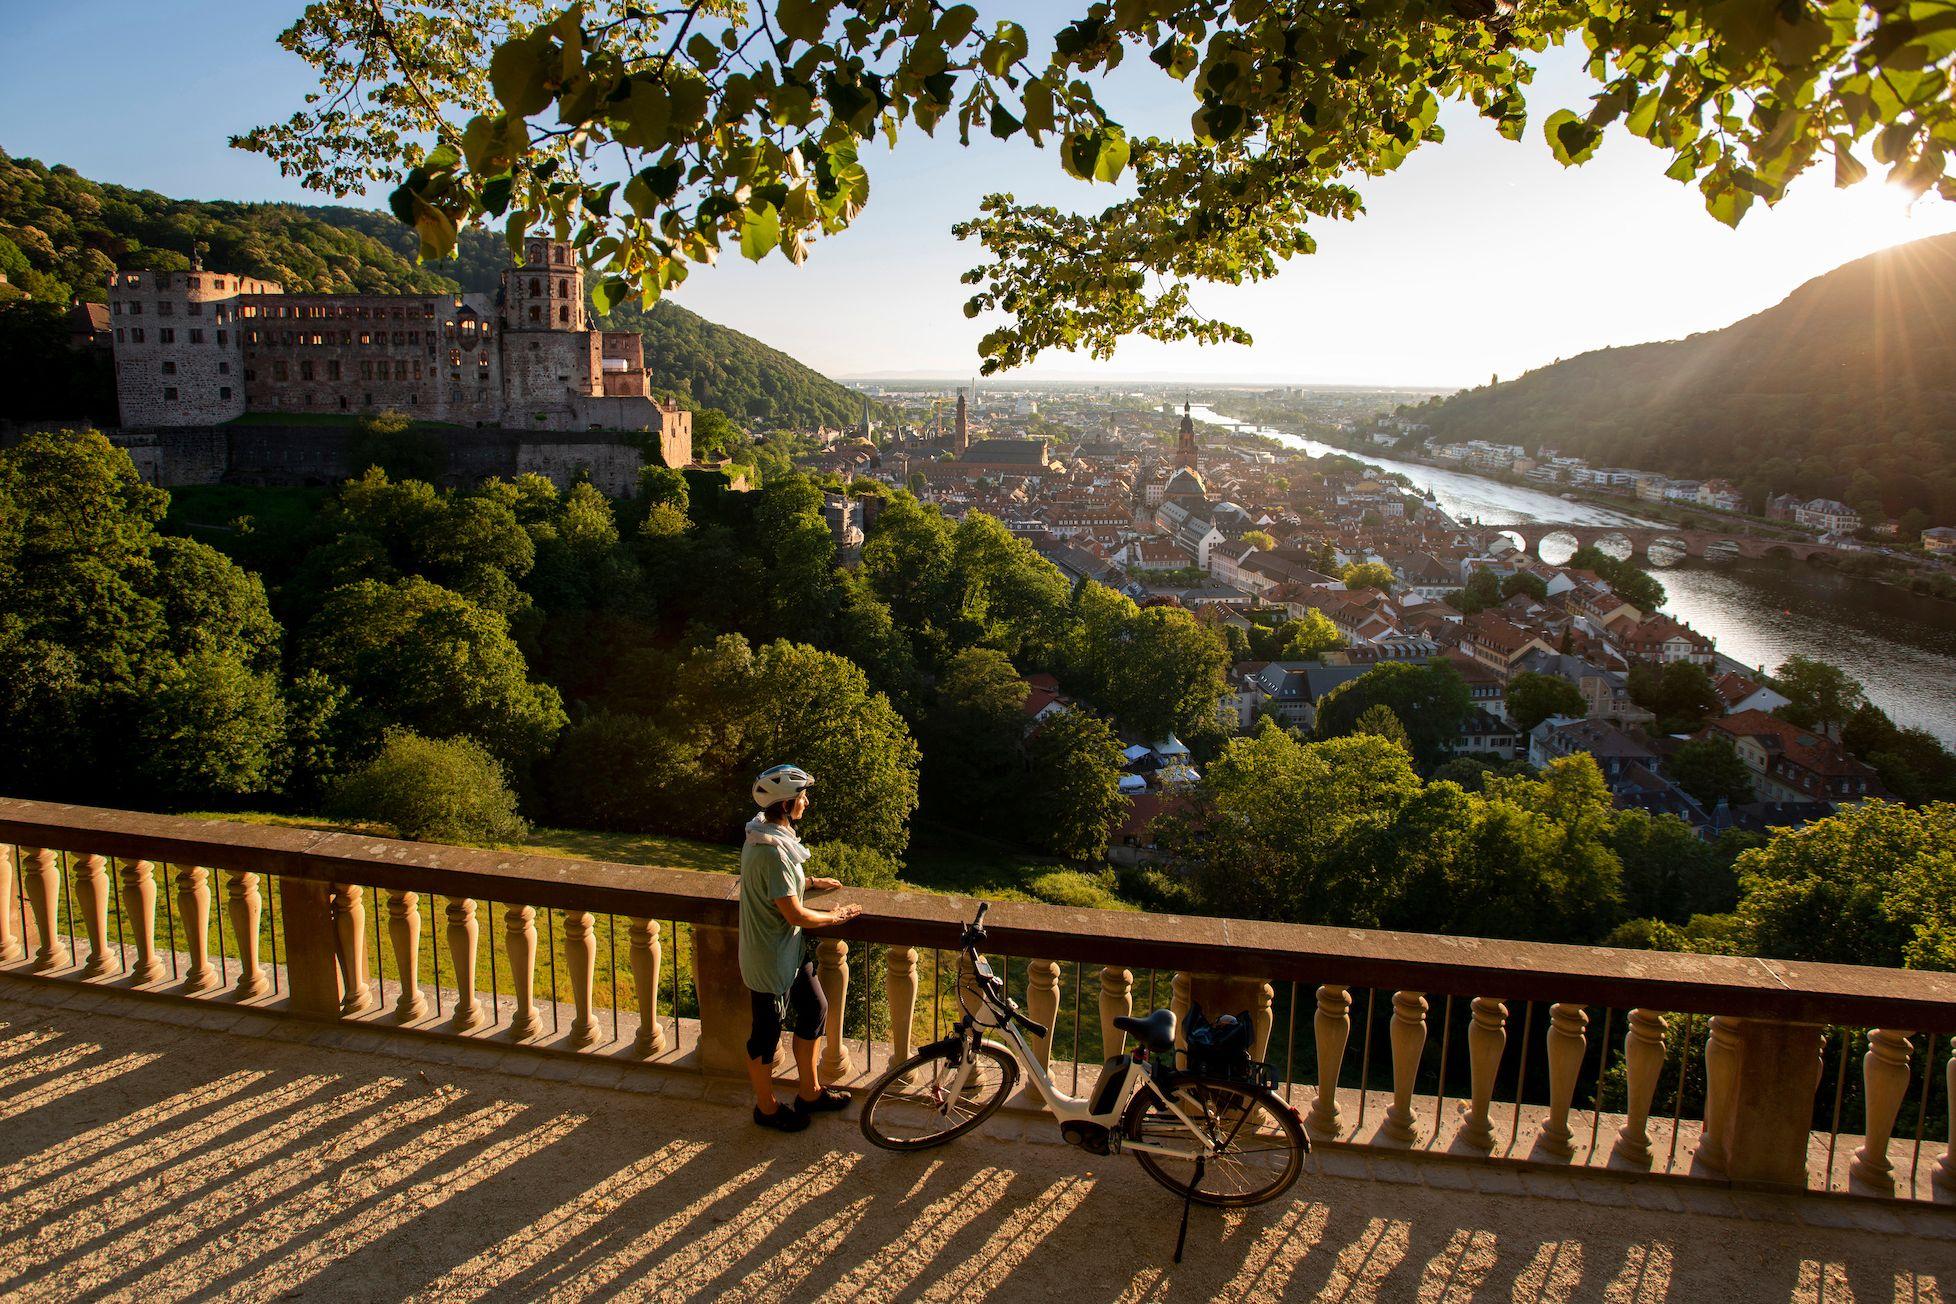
pixel 1829 515
pixel 1789 763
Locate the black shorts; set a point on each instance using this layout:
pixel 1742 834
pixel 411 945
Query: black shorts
pixel 802 1011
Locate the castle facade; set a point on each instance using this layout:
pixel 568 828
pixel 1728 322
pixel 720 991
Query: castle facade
pixel 201 348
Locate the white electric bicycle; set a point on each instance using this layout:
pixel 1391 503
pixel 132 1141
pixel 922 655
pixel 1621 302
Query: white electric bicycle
pixel 1210 1139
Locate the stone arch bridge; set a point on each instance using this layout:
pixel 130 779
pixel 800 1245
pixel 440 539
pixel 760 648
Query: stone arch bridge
pixel 1638 541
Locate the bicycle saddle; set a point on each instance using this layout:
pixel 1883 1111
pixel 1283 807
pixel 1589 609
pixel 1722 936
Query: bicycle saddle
pixel 1156 1032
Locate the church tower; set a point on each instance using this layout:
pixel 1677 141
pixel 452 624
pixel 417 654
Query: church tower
pixel 1185 442
pixel 961 433
pixel 547 292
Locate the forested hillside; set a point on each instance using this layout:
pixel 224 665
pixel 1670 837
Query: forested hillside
pixel 1847 389
pixel 61 235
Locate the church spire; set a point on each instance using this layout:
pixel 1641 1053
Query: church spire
pixel 1185 452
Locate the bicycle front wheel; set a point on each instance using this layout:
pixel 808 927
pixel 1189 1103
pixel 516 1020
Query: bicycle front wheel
pixel 914 1106
pixel 1251 1145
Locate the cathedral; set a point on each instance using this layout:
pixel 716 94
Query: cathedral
pixel 200 348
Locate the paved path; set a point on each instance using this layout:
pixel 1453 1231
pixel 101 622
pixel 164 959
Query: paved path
pixel 144 1155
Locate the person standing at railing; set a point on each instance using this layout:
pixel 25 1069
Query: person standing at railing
pixel 774 964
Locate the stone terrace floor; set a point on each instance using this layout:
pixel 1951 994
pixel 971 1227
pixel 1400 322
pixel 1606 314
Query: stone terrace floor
pixel 156 1152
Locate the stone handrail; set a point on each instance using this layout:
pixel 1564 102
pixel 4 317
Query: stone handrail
pixel 1762 1050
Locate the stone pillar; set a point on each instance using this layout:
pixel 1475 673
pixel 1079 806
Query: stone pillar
pixel 1408 1040
pixel 581 958
pixel 1884 1075
pixel 520 935
pixel 1771 1107
pixel 92 904
pixel 194 907
pixel 1946 1170
pixel 1643 1064
pixel 1721 1089
pixel 1332 1027
pixel 1568 1041
pixel 1260 999
pixel 1487 1038
pixel 1042 1007
pixel 461 953
pixel 350 926
pixel 246 907
pixel 900 995
pixel 139 909
pixel 41 869
pixel 643 945
pixel 832 971
pixel 404 929
pixel 1116 1000
pixel 724 1010
pixel 1180 1000
pixel 312 953
pixel 11 939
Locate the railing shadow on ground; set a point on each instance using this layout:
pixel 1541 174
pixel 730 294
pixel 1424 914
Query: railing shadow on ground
pixel 234 1167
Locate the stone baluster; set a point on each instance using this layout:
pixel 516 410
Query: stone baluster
pixel 1332 1028
pixel 1179 1001
pixel 1884 1075
pixel 1408 1040
pixel 10 935
pixel 581 959
pixel 350 939
pixel 1568 1041
pixel 461 954
pixel 1261 1004
pixel 520 935
pixel 900 995
pixel 41 869
pixel 92 903
pixel 1116 1000
pixel 1487 1038
pixel 139 909
pixel 194 907
pixel 832 971
pixel 1722 1046
pixel 1946 1170
pixel 644 946
pixel 1042 1007
pixel 968 991
pixel 246 907
pixel 404 929
pixel 726 1014
pixel 1643 1064
pixel 462 937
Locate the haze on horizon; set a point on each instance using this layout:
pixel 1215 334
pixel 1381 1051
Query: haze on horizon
pixel 1479 257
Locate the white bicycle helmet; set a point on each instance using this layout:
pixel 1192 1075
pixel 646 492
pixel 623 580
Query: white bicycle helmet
pixel 780 783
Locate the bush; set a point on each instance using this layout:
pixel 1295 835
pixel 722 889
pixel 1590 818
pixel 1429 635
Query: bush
pixel 855 866
pixel 1072 887
pixel 431 790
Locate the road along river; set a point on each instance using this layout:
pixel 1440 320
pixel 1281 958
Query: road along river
pixel 1901 647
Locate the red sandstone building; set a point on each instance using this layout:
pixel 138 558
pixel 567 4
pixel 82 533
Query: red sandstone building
pixel 199 348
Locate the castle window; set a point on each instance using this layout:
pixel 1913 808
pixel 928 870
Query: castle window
pixel 536 314
pixel 366 400
pixel 305 371
pixel 223 368
pixel 196 282
pixel 224 391
pixel 165 308
pixel 135 308
pixel 400 369
pixel 563 313
pixel 136 335
pixel 342 402
pixel 557 254
pixel 167 336
pixel 536 286
pixel 115 307
pixel 196 337
pixel 279 371
pixel 118 335
pixel 194 309
pixel 223 337
pixel 333 370
pixel 170 393
pixel 366 371
pixel 169 368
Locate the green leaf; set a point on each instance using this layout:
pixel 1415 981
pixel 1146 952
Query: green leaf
pixel 519 72
pixel 608 294
pixel 495 194
pixel 760 231
pixel 1848 170
pixel 803 20
pixel 1006 47
pixel 1570 138
pixel 1113 155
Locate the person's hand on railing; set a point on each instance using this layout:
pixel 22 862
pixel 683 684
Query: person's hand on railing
pixel 823 884
pixel 839 915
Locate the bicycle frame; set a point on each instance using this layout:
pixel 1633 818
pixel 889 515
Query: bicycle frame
pixel 1070 1109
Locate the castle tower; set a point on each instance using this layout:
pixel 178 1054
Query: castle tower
pixel 961 433
pixel 546 293
pixel 1185 451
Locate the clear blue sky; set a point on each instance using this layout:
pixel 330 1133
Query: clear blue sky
pixel 1478 257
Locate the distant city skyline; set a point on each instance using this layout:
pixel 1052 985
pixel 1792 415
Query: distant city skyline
pixel 1479 257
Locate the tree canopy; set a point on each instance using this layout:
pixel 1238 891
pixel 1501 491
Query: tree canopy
pixel 658 139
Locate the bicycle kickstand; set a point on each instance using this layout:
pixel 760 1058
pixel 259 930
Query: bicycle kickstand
pixel 1188 1199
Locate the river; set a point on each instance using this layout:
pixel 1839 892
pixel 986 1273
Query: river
pixel 1901 647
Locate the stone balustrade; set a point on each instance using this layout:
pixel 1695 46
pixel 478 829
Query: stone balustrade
pixel 1719 1068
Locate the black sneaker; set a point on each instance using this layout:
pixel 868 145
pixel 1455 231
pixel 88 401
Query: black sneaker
pixel 781 1120
pixel 827 1103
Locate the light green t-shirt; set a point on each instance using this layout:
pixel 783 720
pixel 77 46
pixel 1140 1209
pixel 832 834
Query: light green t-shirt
pixel 770 868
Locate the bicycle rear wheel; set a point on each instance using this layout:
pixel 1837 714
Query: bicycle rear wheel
pixel 911 1107
pixel 1261 1147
